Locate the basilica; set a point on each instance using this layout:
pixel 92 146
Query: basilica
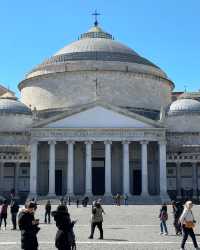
pixel 97 119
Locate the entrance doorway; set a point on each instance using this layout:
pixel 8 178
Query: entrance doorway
pixel 98 176
pixel 58 182
pixel 137 181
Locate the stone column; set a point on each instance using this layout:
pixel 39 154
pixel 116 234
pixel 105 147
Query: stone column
pixel 126 168
pixel 17 166
pixel 33 168
pixel 178 180
pixel 88 174
pixel 108 164
pixel 145 191
pixel 194 178
pixel 52 168
pixel 70 172
pixel 163 171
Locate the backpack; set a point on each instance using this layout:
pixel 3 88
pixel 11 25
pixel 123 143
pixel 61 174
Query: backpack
pixel 164 215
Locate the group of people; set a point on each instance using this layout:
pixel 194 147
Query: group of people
pixel 14 209
pixel 184 221
pixel 65 237
pixel 118 198
pixel 29 227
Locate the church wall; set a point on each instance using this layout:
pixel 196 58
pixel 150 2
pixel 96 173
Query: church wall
pixel 183 123
pixel 116 169
pixel 10 122
pixel 61 163
pixel 153 168
pixel 78 88
pixel 135 161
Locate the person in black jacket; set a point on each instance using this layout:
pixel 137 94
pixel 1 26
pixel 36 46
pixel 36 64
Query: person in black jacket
pixel 48 212
pixel 14 208
pixel 65 238
pixel 29 227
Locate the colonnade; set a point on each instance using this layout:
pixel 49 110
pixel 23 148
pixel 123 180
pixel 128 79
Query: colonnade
pixel 88 176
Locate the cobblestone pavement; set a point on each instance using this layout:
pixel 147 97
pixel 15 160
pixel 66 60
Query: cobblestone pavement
pixel 130 227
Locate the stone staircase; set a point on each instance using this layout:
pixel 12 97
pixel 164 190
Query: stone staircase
pixel 106 200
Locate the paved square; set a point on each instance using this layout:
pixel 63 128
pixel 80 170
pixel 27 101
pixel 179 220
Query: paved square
pixel 130 227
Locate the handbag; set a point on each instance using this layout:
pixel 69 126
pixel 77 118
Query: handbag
pixel 190 224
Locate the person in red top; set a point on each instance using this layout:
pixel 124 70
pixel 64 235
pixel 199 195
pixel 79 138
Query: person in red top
pixel 3 213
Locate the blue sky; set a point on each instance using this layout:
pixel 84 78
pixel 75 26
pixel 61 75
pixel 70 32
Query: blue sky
pixel 167 32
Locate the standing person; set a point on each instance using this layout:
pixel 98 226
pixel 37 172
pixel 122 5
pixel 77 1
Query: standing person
pixel 69 200
pixel 188 223
pixel 14 209
pixel 118 199
pixel 48 212
pixel 177 211
pixel 163 218
pixel 77 203
pixel 126 200
pixel 28 227
pixel 97 219
pixel 65 238
pixel 4 213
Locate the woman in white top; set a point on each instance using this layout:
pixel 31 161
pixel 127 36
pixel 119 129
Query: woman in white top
pixel 188 222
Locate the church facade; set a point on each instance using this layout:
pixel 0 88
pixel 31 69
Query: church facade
pixel 97 119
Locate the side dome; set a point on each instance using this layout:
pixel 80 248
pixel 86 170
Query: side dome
pixel 184 116
pixel 14 115
pixel 184 105
pixel 10 105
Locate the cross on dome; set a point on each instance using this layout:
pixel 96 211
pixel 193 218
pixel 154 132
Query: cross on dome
pixel 96 14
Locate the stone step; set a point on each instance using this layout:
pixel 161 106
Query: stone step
pixel 106 200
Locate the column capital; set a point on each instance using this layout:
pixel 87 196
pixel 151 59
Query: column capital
pixel 70 142
pixel 162 142
pixel 52 142
pixel 108 142
pixel 88 142
pixel 144 142
pixel 34 141
pixel 126 142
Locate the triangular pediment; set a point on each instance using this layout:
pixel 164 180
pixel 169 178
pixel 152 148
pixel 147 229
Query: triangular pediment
pixel 98 116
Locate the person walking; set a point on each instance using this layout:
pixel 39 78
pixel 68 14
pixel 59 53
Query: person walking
pixel 188 222
pixel 65 238
pixel 47 212
pixel 163 216
pixel 177 211
pixel 14 209
pixel 28 227
pixel 97 219
pixel 4 213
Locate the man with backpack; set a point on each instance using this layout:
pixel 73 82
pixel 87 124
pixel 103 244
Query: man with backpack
pixel 65 237
pixel 97 219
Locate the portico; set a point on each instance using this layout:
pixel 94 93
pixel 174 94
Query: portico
pixel 89 149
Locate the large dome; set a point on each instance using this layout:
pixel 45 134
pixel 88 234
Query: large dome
pixel 95 45
pixel 96 67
